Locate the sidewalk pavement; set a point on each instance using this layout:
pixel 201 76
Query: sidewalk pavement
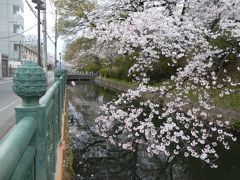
pixel 6 79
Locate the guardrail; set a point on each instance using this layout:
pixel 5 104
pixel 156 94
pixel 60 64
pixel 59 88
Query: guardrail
pixel 29 150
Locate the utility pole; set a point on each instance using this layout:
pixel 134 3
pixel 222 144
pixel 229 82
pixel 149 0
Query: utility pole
pixel 39 7
pixel 39 37
pixel 60 60
pixel 44 30
pixel 56 34
pixel 20 50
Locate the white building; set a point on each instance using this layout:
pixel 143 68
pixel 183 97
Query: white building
pixel 28 53
pixel 12 25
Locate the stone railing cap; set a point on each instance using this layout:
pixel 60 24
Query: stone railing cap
pixel 59 72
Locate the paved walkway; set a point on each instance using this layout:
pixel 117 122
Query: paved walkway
pixel 8 100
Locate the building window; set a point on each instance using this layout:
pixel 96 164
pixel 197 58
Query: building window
pixel 17 28
pixel 15 47
pixel 17 10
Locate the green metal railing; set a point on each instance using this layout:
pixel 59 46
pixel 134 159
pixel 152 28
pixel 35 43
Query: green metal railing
pixel 29 150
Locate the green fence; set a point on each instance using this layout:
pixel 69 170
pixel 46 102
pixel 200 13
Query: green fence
pixel 29 150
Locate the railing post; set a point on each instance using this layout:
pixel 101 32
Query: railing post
pixel 30 84
pixel 61 75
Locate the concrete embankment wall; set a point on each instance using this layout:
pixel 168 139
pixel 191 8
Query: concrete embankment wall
pixel 62 171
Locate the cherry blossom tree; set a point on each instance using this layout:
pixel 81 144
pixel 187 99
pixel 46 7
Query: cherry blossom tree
pixel 183 31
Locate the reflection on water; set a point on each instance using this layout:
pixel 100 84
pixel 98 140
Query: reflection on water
pixel 95 158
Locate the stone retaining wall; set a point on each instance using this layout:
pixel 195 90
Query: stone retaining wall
pixel 115 86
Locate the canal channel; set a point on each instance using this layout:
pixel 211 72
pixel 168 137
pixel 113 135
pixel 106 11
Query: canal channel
pixel 96 158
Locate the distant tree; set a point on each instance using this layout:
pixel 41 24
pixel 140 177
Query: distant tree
pixel 31 41
pixel 76 48
pixel 72 15
pixel 83 51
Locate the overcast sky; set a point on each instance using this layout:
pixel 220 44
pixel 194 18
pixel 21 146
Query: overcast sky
pixel 30 20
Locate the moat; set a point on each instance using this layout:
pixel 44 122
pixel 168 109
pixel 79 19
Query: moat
pixel 96 158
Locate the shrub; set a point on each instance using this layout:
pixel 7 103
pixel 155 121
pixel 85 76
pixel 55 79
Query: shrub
pixel 104 72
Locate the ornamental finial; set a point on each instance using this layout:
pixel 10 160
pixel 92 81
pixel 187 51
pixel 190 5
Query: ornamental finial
pixel 29 82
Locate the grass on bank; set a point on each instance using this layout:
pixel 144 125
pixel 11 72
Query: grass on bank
pixel 231 101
